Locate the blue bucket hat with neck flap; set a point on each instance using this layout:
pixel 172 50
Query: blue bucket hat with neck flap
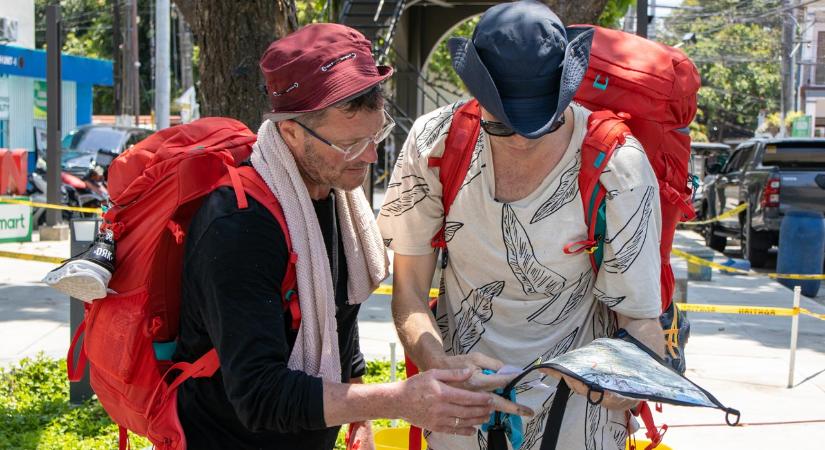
pixel 523 65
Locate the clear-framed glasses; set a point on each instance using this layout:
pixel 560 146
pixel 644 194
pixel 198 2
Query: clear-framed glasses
pixel 355 150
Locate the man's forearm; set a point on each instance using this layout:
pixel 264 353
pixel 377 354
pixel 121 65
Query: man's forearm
pixel 414 322
pixel 346 403
pixel 418 332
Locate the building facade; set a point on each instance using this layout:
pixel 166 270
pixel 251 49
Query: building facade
pixel 23 105
pixel 810 67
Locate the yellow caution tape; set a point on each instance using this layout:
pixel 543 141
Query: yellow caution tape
pixel 51 206
pixel 386 289
pixel 722 216
pixel 704 262
pixel 747 310
pixel 736 309
pixel 30 257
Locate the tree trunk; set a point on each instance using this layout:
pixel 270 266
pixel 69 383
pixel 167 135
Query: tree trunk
pixel 582 11
pixel 232 36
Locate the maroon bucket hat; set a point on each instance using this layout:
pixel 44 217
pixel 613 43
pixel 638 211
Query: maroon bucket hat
pixel 317 67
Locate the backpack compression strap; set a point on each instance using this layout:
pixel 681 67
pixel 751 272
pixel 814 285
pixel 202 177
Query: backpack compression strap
pixel 455 161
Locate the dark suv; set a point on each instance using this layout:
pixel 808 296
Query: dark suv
pixel 773 176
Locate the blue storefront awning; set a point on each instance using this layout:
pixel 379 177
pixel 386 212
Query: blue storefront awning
pixel 24 62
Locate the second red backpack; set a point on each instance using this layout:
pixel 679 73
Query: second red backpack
pixel 634 86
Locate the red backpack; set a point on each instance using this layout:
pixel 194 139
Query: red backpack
pixel 635 87
pixel 156 188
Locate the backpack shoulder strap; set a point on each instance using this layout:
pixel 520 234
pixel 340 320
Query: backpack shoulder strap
pixel 256 187
pixel 605 132
pixel 455 161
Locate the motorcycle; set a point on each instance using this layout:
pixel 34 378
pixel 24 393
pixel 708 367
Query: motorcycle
pixel 87 191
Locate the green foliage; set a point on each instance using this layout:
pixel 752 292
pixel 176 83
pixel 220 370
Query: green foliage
pixel 736 51
pixel 313 11
pixel 35 413
pixel 439 68
pixel 772 122
pixel 614 10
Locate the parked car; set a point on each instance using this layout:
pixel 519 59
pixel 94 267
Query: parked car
pixel 706 160
pixel 773 175
pixel 89 146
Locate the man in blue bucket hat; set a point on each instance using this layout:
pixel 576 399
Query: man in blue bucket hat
pixel 510 292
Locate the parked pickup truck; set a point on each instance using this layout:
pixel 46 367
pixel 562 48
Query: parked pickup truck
pixel 706 159
pixel 774 176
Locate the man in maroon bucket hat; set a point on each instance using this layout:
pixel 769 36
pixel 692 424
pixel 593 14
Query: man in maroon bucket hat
pixel 280 386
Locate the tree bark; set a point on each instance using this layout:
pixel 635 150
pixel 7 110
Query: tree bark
pixel 232 36
pixel 582 11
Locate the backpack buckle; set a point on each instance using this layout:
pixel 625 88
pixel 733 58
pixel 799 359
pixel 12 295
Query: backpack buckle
pixel 588 246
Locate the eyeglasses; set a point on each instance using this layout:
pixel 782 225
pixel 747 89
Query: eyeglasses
pixel 502 130
pixel 355 150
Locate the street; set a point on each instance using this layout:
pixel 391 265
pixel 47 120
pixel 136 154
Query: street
pixel 741 359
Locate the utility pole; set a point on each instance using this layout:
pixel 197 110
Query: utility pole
pixel 126 62
pixel 53 127
pixel 786 72
pixel 162 83
pixel 117 55
pixel 641 18
pixel 134 65
pixel 652 31
pixel 185 58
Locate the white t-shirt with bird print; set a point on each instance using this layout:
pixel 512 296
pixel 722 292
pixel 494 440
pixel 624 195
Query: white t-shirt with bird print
pixel 509 291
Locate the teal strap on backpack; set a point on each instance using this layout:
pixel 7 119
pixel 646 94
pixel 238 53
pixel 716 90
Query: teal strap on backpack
pixel 600 227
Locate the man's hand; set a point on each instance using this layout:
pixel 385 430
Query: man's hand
pixel 427 400
pixel 610 400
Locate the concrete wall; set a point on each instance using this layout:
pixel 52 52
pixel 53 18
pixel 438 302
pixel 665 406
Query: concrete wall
pixel 23 12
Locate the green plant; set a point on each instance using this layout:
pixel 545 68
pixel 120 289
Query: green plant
pixel 35 412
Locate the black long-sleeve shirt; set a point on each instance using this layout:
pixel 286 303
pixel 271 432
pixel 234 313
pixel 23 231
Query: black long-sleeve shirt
pixel 234 263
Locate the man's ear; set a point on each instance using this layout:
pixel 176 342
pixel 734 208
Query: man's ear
pixel 291 133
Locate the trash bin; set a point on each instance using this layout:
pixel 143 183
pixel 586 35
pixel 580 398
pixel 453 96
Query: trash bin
pixel 699 272
pixel 801 249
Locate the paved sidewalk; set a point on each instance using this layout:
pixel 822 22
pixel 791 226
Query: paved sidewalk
pixel 742 360
pixel 33 317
